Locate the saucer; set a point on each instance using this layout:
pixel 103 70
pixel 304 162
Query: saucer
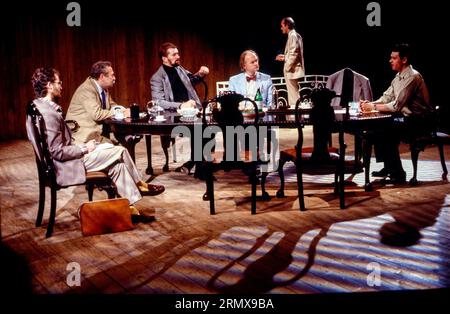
pixel 159 120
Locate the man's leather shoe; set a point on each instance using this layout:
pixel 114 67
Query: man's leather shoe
pixel 397 178
pixel 382 173
pixel 142 218
pixel 153 190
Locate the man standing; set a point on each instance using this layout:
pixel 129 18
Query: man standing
pixel 250 80
pixel 408 99
pixel 173 88
pixel 91 104
pixel 294 66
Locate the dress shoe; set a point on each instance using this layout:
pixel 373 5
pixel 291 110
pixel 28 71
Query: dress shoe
pixel 152 190
pixel 382 173
pixel 142 218
pixel 397 178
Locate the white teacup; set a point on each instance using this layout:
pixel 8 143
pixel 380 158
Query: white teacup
pixel 159 118
pixel 119 114
pixel 188 112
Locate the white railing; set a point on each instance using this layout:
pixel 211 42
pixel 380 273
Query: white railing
pixel 306 83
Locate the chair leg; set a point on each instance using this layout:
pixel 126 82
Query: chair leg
pixel 301 196
pixel 264 195
pixel 414 158
pixel 41 203
pixel 51 220
pixel 444 166
pixel 90 190
pixel 341 166
pixel 111 191
pixel 210 192
pixel 253 180
pixel 280 192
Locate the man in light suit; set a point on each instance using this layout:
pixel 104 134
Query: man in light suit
pixel 72 160
pixel 91 104
pixel 173 88
pixel 250 80
pixel 294 66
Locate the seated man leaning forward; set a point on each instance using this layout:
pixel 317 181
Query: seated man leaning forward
pixel 408 99
pixel 251 80
pixel 79 158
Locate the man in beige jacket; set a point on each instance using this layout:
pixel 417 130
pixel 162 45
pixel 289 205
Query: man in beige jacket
pixel 91 104
pixel 294 66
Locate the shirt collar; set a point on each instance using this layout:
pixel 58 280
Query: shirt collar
pixel 407 72
pixel 52 105
pixel 99 88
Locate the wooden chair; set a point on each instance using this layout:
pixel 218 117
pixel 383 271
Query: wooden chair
pixel 244 160
pixel 46 169
pixel 418 144
pixel 320 159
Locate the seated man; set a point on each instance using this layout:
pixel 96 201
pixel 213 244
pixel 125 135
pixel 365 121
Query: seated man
pixel 173 88
pixel 250 80
pixel 73 160
pixel 91 106
pixel 408 99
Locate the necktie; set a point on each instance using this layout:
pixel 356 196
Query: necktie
pixel 103 100
pixel 250 78
pixel 106 130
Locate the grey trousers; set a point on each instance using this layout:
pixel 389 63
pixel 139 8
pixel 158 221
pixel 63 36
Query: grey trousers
pixel 120 167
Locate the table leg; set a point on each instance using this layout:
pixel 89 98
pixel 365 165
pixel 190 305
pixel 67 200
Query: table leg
pixel 367 153
pixel 148 143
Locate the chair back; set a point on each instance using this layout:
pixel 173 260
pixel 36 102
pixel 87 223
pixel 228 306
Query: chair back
pixel 323 120
pixel 226 113
pixel 36 131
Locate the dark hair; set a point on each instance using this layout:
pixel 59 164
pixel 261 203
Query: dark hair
pixel 289 22
pixel 403 51
pixel 98 68
pixel 163 49
pixel 242 57
pixel 40 78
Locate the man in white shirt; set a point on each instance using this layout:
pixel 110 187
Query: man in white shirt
pixel 408 99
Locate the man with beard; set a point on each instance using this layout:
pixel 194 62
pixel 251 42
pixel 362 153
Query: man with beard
pixel 173 88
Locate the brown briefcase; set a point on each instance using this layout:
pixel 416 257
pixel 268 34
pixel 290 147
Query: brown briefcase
pixel 105 216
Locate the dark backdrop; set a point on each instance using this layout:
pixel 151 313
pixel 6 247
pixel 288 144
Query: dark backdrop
pixel 128 33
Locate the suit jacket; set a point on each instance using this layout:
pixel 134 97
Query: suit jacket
pixel 237 83
pixel 67 157
pixel 361 86
pixel 294 65
pixel 162 90
pixel 86 108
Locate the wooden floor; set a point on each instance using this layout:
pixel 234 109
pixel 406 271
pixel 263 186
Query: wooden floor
pixel 401 233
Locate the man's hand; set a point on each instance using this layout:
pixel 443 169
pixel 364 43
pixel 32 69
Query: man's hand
pixel 188 104
pixel 279 57
pixel 366 106
pixel 90 146
pixel 203 71
pixel 126 112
